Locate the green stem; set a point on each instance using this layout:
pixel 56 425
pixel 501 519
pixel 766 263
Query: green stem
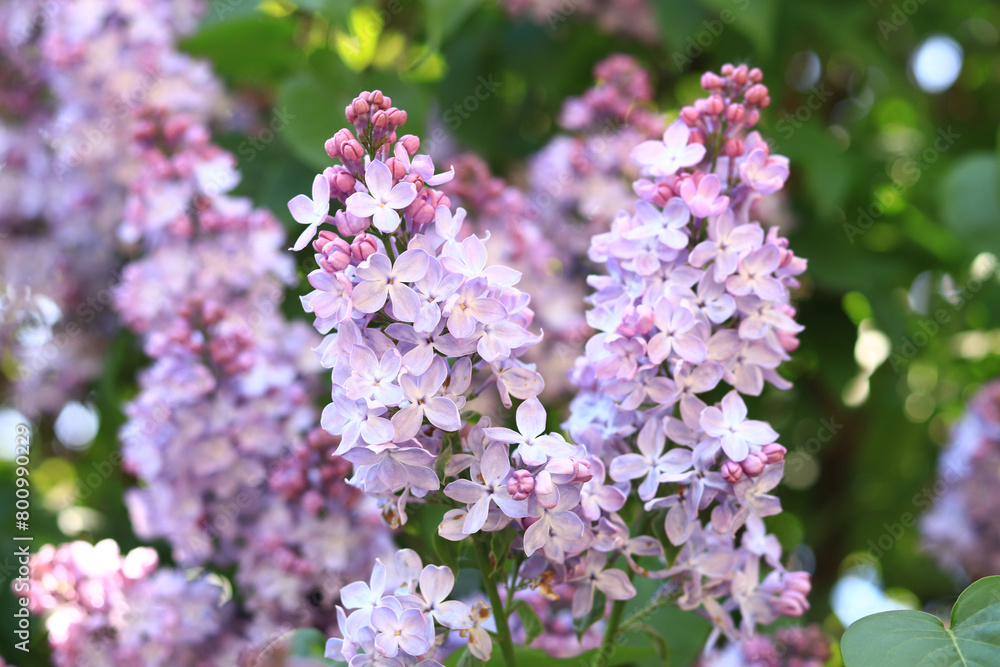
pixel 611 633
pixel 607 648
pixel 499 613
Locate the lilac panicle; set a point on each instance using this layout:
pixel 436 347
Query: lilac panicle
pixel 696 298
pixel 217 434
pixel 961 529
pixel 417 322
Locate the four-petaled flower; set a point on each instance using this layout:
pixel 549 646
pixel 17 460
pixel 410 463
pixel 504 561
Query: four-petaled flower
pixel 310 212
pixel 736 431
pixel 494 469
pixel 383 199
pixel 663 158
pixel 382 279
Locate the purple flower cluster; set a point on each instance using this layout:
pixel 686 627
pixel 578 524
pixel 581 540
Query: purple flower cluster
pixel 580 178
pixel 63 133
pixel 394 618
pixel 420 325
pixel 789 647
pixel 230 382
pixel 696 297
pixel 217 432
pixel 105 608
pixel 416 313
pixel 962 530
pixel 518 240
pixel 629 18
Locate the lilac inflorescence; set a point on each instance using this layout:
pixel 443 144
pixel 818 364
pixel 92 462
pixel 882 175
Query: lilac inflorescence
pixel 418 322
pixel 105 608
pixel 961 529
pixel 696 297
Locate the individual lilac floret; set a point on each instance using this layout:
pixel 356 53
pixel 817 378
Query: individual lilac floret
pixel 396 619
pixel 383 199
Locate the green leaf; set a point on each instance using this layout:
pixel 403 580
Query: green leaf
pixel 529 619
pixel 307 642
pixel 596 614
pixel 970 198
pixel 447 551
pixel 443 17
pixel 317 117
pixel 255 49
pixel 468 660
pixel 500 546
pixel 756 20
pixel 918 639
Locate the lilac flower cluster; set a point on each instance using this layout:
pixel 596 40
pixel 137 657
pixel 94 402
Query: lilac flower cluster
pixel 230 381
pixel 697 294
pixel 629 18
pixel 105 608
pixel 420 325
pixel 395 617
pixel 961 529
pixel 696 297
pixel 62 138
pixel 416 313
pixel 580 178
pixel 217 432
pixel 505 212
pixel 789 647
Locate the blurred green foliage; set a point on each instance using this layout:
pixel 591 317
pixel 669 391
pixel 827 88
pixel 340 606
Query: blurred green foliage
pixel 873 204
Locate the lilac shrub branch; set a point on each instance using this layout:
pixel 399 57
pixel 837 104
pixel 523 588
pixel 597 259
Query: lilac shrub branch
pixel 414 317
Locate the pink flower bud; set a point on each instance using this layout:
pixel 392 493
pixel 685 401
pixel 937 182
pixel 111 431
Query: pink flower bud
pixel 754 464
pixel 740 75
pixel 690 115
pixel 756 76
pixel 350 225
pixel 800 582
pixel 520 485
pixel 581 472
pixel 376 98
pixel 791 604
pixel 788 340
pixel 715 105
pixel 711 81
pixel 735 113
pixel 359 106
pixel 342 183
pixel 733 148
pixel 352 151
pixel 396 167
pixel 336 255
pixel 753 116
pixel 324 237
pixel 727 69
pixel 364 246
pixel 332 149
pixel 732 472
pixel 774 452
pixel 397 117
pixel 411 143
pixel 756 93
